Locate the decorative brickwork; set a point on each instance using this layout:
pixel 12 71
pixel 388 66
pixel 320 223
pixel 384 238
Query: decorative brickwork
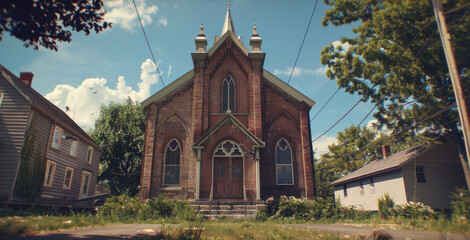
pixel 192 113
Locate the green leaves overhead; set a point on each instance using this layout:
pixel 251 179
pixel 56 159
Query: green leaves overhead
pixel 377 63
pixel 119 130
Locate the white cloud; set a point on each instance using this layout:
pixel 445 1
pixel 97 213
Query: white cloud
pixel 384 129
pixel 321 145
pixel 345 46
pixel 169 71
pixel 300 71
pixel 85 100
pixel 162 21
pixel 122 13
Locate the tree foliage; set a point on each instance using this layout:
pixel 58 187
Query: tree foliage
pixel 42 23
pixel 365 64
pixel 119 130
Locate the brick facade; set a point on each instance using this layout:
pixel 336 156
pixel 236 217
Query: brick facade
pixel 192 114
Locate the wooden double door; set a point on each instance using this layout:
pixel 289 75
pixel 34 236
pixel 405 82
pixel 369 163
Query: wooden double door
pixel 228 180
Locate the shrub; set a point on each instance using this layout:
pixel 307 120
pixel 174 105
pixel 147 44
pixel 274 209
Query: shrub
pixel 386 205
pixel 413 210
pixel 460 205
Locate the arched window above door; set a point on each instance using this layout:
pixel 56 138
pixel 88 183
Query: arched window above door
pixel 228 94
pixel 284 168
pixel 172 163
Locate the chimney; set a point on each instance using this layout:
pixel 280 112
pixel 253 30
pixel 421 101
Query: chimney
pixel 386 151
pixel 26 78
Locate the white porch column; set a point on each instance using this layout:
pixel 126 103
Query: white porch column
pixel 258 183
pixel 198 172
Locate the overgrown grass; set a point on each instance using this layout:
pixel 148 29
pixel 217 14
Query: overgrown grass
pixel 242 230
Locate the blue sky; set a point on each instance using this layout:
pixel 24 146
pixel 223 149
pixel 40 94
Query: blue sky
pixel 110 66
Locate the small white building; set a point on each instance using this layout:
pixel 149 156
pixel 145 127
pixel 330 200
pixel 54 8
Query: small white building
pixel 418 174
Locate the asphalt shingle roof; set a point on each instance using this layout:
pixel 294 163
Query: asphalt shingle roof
pixel 384 164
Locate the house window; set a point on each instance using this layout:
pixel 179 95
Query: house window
pixel 361 187
pixel 85 185
pixel 89 155
pixel 345 190
pixel 74 148
pixel 68 178
pixel 172 163
pixel 50 171
pixel 372 185
pixel 284 170
pixel 57 137
pixel 420 176
pixel 1 98
pixel 228 94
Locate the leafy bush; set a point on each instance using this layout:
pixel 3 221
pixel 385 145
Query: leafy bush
pixel 301 209
pixel 461 205
pixel 414 210
pixel 386 205
pixel 125 208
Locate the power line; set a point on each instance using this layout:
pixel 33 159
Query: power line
pixel 376 84
pixel 325 104
pixel 148 44
pixel 301 45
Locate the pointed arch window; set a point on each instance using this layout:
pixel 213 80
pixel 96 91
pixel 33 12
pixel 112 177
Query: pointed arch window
pixel 172 163
pixel 284 169
pixel 228 94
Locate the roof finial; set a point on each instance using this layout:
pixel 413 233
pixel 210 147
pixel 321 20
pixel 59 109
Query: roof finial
pixel 202 29
pixel 255 30
pixel 228 4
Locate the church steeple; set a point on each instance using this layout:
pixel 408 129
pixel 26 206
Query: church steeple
pixel 228 23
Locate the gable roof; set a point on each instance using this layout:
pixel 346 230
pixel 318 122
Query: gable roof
pixel 392 162
pixel 44 106
pixel 229 117
pixel 169 88
pixel 287 88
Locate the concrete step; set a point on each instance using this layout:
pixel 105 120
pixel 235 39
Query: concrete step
pixel 229 209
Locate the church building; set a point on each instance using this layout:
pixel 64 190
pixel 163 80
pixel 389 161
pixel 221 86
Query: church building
pixel 227 129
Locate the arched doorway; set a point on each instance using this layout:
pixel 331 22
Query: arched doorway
pixel 228 171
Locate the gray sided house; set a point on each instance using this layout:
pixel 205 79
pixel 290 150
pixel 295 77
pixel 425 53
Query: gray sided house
pixel 45 156
pixel 418 174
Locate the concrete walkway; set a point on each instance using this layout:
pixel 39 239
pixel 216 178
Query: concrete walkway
pixel 371 233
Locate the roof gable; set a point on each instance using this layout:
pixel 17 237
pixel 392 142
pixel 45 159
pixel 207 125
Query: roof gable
pixel 47 108
pixel 392 162
pixel 228 34
pixel 169 88
pixel 287 88
pixel 229 117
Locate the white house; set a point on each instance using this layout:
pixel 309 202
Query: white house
pixel 418 174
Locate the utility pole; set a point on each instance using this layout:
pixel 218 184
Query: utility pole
pixel 454 75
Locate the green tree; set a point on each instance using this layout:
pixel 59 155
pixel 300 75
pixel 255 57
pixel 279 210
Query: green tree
pixel 412 87
pixel 42 23
pixel 119 130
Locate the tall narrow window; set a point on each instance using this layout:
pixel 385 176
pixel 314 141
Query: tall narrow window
pixel 50 171
pixel 85 185
pixel 228 94
pixel 371 185
pixel 420 176
pixel 73 148
pixel 68 178
pixel 345 190
pixel 1 97
pixel 361 187
pixel 172 163
pixel 89 155
pixel 284 170
pixel 57 137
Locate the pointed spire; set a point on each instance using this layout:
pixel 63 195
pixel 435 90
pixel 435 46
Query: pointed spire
pixel 228 23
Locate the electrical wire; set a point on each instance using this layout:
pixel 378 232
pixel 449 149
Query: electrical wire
pixel 301 45
pixel 148 44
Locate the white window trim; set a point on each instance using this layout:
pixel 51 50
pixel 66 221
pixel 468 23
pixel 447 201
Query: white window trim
pixel 169 165
pixel 89 155
pixel 49 163
pixel 85 173
pixel 65 178
pixel 291 164
pixel 57 128
pixel 76 148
